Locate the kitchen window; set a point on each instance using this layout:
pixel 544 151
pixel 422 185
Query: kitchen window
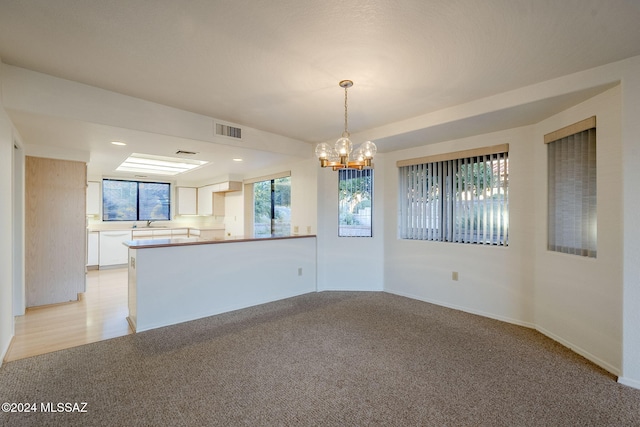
pixel 270 197
pixel 135 200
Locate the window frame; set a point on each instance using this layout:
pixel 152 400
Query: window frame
pixel 342 228
pixel 442 197
pixel 576 146
pixel 249 216
pixel 106 211
pixel 274 225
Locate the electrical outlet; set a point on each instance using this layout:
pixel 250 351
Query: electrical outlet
pixel 295 229
pixel 308 229
pixel 454 276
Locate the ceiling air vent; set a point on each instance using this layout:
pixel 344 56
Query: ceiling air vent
pixel 189 153
pixel 228 131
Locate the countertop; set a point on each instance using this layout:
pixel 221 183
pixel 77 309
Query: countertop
pixel 159 228
pixel 163 243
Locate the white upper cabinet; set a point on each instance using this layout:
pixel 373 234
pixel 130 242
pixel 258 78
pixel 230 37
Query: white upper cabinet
pixel 93 198
pixel 205 200
pixel 186 201
pixel 226 186
pixel 211 197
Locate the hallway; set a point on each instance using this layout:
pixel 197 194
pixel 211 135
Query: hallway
pixel 100 314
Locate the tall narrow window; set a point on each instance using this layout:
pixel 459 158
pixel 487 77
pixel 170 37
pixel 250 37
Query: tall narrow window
pixel 457 197
pixel 355 190
pixel 272 207
pixel 572 219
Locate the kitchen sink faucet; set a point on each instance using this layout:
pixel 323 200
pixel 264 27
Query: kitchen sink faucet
pixel 149 223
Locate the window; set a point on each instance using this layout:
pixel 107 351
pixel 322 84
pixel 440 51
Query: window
pixel 457 197
pixel 355 189
pixel 571 161
pixel 135 201
pixel 272 207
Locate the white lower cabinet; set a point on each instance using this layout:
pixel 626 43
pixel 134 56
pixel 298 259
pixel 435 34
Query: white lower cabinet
pixel 207 233
pixel 141 234
pixel 179 233
pixel 93 251
pixel 112 250
pixel 160 233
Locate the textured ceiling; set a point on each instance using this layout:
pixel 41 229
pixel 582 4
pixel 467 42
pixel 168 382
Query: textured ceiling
pixel 275 65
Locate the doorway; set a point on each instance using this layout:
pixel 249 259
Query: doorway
pixel 99 314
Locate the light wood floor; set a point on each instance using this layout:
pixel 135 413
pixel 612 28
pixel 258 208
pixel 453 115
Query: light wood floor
pixel 100 314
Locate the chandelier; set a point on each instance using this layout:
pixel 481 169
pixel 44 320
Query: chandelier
pixel 342 155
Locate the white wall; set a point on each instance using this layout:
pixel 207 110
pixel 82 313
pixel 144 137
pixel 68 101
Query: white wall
pixel 304 213
pixel 592 306
pixel 217 278
pixel 349 263
pixel 18 239
pixel 303 198
pixel 630 212
pixel 234 213
pixel 493 281
pixel 577 299
pixel 6 224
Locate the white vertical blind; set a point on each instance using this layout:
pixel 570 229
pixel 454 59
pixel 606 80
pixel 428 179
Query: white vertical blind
pixel 455 200
pixel 572 210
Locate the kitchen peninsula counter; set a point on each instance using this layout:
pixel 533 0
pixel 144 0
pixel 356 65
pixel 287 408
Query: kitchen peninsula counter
pixel 160 243
pixel 177 280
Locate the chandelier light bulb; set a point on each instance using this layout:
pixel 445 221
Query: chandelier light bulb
pixel 333 157
pixel 369 149
pixel 344 146
pixel 323 151
pixel 358 154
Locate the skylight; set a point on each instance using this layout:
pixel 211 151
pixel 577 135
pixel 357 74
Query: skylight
pixel 158 165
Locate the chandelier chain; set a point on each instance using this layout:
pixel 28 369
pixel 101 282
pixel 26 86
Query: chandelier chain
pixel 346 127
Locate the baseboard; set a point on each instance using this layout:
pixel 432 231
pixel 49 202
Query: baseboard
pixel 576 349
pixel 351 289
pixel 582 352
pixel 112 267
pixel 132 324
pixel 215 312
pixel 629 382
pixel 6 349
pixel 465 309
